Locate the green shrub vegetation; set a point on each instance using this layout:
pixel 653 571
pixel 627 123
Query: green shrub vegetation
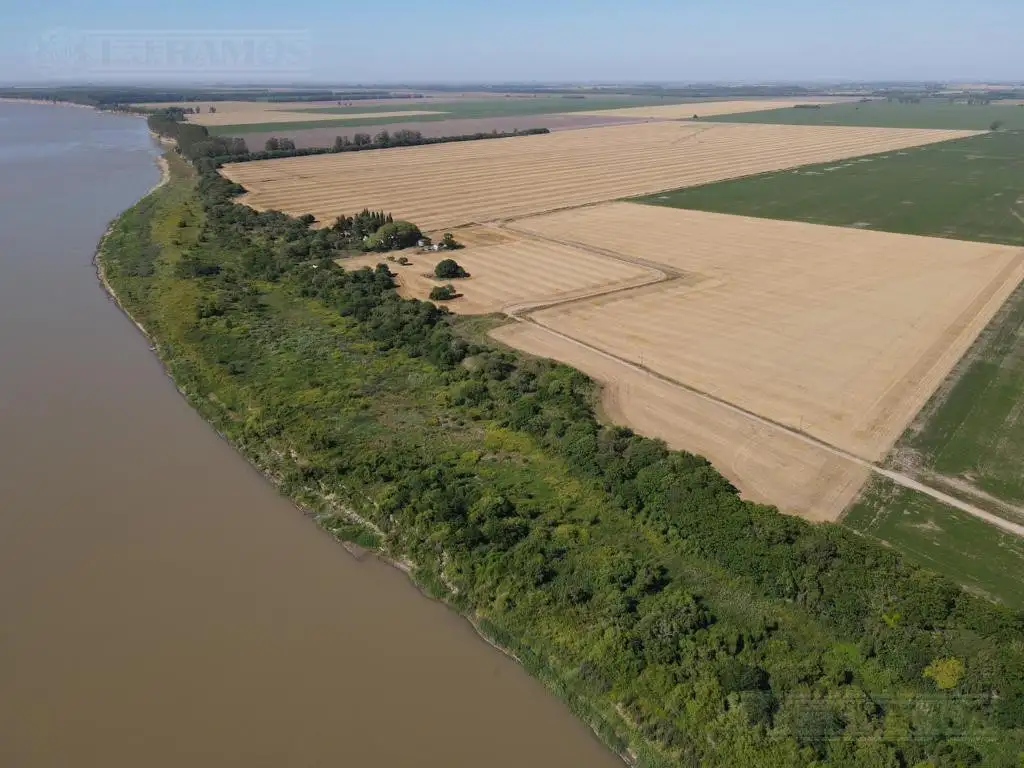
pixel 443 293
pixel 969 189
pixel 449 269
pixel 392 236
pixel 449 243
pixel 685 624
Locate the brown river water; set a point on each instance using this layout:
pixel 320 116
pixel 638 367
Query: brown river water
pixel 160 604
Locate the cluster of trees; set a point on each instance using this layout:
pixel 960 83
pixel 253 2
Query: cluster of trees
pixel 449 243
pixel 195 142
pixel 366 222
pixel 376 231
pixel 401 138
pixel 449 269
pixel 274 144
pixel 393 236
pixel 189 110
pixel 691 625
pixel 443 293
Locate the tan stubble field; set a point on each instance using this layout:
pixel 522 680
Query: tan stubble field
pixel 790 354
pixel 449 185
pixel 514 274
pixel 842 334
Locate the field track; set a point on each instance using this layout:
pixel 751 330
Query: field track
pixel 839 333
pixel 789 354
pixel 454 184
pixel 767 463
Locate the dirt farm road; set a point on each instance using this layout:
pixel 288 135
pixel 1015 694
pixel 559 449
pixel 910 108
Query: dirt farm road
pixel 521 312
pixel 896 477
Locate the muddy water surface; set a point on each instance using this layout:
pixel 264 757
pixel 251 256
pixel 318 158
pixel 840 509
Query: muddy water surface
pixel 160 604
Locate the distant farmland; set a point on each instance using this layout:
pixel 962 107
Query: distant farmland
pixel 317 116
pixel 452 184
pixel 885 114
pixel 971 189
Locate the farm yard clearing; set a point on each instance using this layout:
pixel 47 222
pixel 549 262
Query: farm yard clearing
pixel 455 184
pixel 518 271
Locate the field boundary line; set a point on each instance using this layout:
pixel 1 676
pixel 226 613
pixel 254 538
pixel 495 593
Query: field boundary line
pixel 933 357
pixel 522 312
pixel 896 477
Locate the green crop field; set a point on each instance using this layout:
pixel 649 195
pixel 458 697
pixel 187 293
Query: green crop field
pixel 450 110
pixel 934 113
pixel 978 555
pixel 968 189
pixel 975 431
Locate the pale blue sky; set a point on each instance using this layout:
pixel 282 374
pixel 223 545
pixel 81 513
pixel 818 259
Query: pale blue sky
pixel 520 40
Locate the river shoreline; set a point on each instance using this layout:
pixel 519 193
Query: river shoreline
pixel 45 103
pixel 406 566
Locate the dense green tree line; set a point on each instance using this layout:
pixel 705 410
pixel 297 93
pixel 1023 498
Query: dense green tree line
pixel 196 143
pixel 693 626
pixel 383 140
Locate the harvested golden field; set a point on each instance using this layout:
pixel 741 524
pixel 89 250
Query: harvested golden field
pixel 707 109
pixel 447 185
pixel 514 274
pixel 842 334
pixel 259 112
pixel 766 463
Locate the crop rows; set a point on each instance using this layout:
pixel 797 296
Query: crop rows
pixel 839 333
pixel 452 184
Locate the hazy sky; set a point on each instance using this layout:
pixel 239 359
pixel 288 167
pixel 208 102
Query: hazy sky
pixel 521 40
